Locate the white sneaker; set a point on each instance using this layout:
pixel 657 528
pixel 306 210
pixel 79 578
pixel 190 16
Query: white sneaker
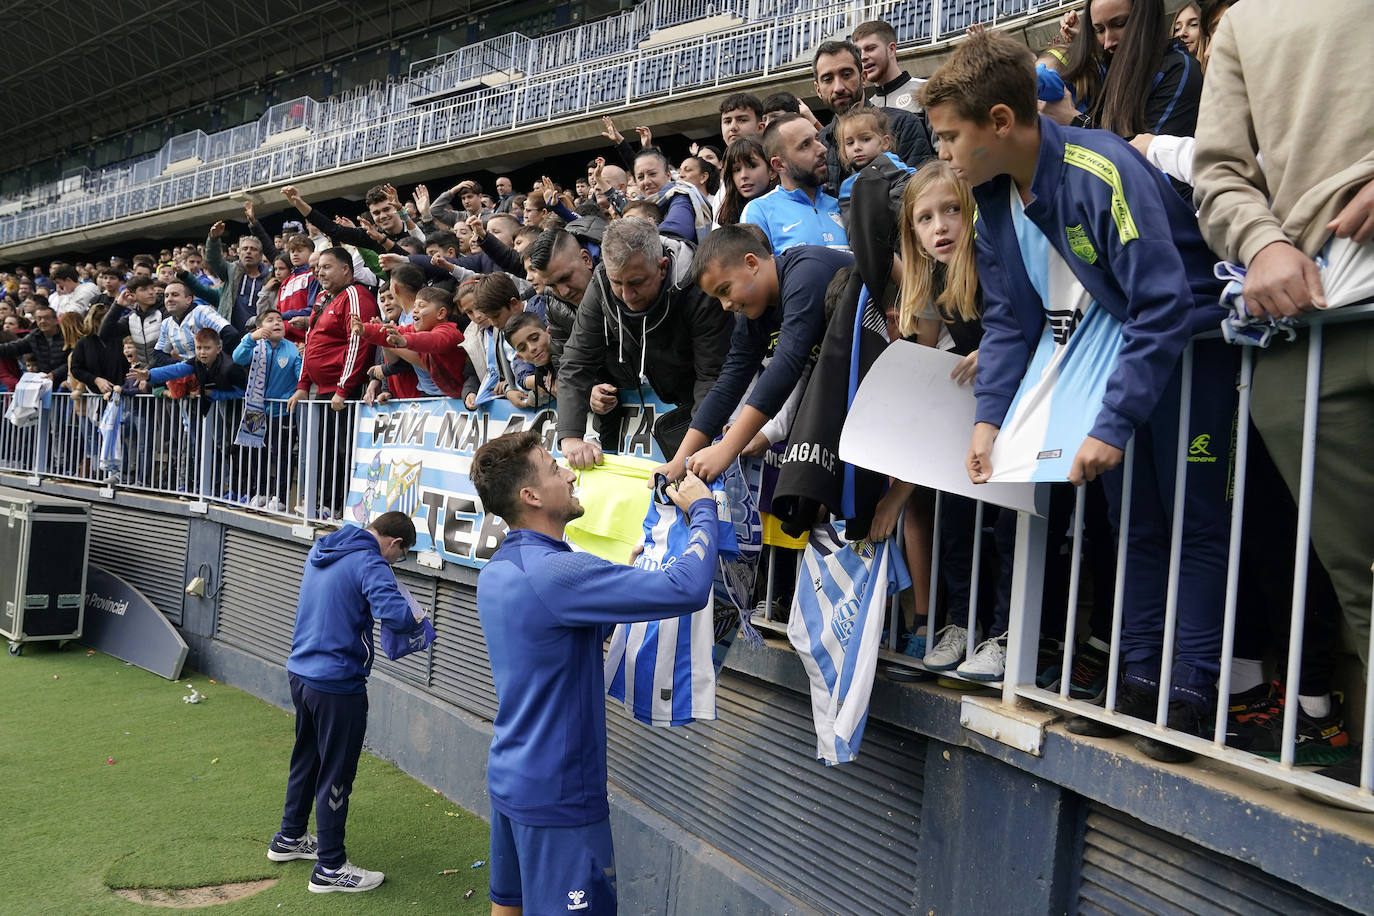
pixel 275 505
pixel 258 502
pixel 950 645
pixel 988 663
pixel 349 878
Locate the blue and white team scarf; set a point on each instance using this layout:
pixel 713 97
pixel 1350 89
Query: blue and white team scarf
pixel 253 426
pixel 665 671
pixel 111 421
pixel 487 392
pixel 836 626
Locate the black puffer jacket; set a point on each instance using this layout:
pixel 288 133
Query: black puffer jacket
pixel 49 353
pixel 678 343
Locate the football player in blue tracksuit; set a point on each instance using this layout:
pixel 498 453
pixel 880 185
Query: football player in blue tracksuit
pixel 545 612
pixel 347 584
pixel 1134 246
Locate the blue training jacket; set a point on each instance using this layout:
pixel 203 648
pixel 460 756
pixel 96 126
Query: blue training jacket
pixel 347 582
pixel 790 218
pixel 545 612
pixel 1128 238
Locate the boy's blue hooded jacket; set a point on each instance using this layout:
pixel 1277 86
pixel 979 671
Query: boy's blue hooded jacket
pixel 347 582
pixel 1128 238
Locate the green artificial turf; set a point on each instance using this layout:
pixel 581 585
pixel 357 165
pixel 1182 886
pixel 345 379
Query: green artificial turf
pixel 192 797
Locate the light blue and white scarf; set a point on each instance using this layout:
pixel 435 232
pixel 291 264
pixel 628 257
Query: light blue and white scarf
pixel 253 427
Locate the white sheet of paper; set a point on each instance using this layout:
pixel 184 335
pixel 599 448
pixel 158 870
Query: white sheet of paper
pixel 911 421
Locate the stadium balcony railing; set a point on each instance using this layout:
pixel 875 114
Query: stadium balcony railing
pixel 381 122
pixel 169 448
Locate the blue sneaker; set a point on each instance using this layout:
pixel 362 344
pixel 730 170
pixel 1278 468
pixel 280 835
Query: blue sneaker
pixel 914 644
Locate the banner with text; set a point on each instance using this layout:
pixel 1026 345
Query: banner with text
pixel 413 456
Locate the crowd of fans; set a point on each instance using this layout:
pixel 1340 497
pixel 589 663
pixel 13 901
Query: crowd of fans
pixel 711 279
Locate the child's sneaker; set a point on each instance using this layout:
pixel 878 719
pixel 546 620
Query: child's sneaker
pixel 1320 740
pixel 348 878
pixel 1088 680
pixel 283 850
pixel 988 662
pixel 950 645
pixel 914 644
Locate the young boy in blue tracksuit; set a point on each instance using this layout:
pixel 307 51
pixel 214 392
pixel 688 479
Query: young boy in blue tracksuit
pixel 545 612
pixel 1050 198
pixel 281 365
pixel 346 585
pixel 779 308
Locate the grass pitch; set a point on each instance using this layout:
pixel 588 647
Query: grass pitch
pixel 111 781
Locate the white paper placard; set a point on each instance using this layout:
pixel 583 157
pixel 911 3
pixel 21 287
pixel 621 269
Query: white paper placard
pixel 911 421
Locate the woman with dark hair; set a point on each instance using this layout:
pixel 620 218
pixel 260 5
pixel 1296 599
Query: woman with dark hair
pixel 700 172
pixel 745 175
pixel 1132 77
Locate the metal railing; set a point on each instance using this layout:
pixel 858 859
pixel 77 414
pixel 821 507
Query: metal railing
pixel 383 124
pixel 1029 562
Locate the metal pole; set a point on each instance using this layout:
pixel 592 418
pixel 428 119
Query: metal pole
pixel 1304 538
pixel 1228 624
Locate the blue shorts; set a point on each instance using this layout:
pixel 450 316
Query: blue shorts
pixel 553 871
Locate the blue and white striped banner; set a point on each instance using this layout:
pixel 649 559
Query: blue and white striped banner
pixel 836 626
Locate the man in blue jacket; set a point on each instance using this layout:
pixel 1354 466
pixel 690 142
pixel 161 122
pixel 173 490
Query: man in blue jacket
pixel 545 612
pixel 347 583
pixel 798 211
pixel 1057 202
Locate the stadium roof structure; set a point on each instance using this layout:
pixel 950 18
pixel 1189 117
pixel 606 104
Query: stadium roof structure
pixel 78 70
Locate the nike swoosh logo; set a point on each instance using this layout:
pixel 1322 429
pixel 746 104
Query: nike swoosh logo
pixel 791 227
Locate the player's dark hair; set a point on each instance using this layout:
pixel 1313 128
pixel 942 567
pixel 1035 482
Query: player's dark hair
pixel 501 468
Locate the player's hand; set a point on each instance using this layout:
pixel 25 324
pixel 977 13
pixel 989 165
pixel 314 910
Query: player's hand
pixel 603 398
pixel 580 453
pixel 710 462
pixel 979 461
pixel 140 375
pixel 967 370
pixel 337 402
pixel 687 491
pixel 1356 219
pixel 1282 282
pixel 1094 456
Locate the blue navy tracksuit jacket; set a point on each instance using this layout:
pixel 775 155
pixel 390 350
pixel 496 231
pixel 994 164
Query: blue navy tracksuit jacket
pixel 1132 243
pixel 545 612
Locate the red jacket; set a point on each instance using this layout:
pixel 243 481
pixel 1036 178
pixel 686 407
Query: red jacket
pixel 334 360
pixel 440 350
